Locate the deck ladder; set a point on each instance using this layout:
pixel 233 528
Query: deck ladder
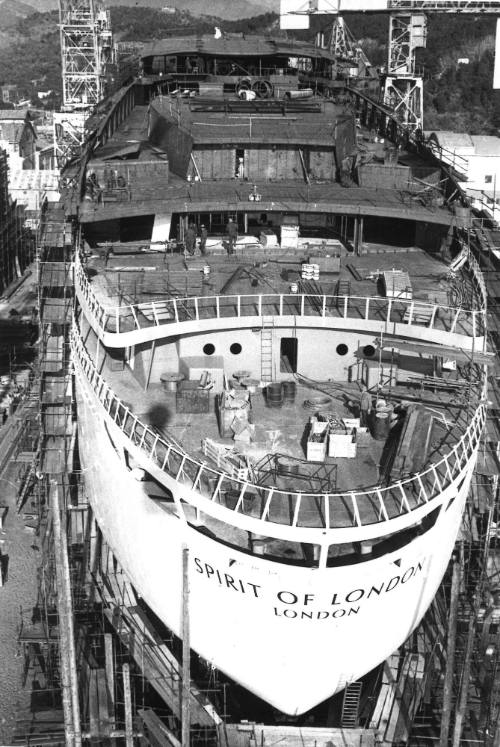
pixel 350 705
pixel 266 349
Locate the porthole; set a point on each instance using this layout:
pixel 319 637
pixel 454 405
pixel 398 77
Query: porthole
pixel 368 351
pixel 209 349
pixel 235 348
pixel 342 349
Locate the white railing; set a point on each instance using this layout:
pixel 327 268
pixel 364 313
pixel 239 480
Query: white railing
pixel 142 316
pixel 355 508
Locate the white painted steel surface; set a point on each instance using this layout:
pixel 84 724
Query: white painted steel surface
pixel 270 626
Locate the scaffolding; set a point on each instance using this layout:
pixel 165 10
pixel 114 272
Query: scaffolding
pixel 14 246
pixel 87 53
pixel 46 489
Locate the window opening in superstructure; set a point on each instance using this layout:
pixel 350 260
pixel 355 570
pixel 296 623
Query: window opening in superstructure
pixel 239 169
pixel 287 552
pixel 348 553
pixel 235 348
pixel 288 354
pixel 369 351
pixel 209 348
pixel 342 349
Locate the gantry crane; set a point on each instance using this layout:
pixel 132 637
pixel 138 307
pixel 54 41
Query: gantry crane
pixel 403 87
pixel 86 52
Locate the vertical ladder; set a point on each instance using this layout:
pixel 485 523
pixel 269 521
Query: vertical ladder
pixel 266 349
pixel 350 705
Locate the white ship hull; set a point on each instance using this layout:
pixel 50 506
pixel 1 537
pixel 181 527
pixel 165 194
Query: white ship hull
pixel 292 635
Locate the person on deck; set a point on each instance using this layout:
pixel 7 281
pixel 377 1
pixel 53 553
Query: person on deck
pixel 190 240
pixel 203 240
pixel 232 234
pixel 365 406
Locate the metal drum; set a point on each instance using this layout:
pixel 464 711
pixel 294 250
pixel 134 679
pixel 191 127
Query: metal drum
pixel 289 391
pixel 274 394
pixel 380 426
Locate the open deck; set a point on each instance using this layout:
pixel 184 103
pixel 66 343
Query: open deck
pixel 143 293
pixel 384 483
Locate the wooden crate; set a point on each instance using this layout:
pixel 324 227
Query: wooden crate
pixel 190 399
pixel 316 442
pixel 342 443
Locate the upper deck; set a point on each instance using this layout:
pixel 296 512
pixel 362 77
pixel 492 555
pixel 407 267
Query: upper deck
pixel 133 294
pixel 170 144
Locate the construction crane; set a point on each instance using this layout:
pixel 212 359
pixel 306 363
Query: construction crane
pixel 342 44
pixel 86 53
pixel 403 87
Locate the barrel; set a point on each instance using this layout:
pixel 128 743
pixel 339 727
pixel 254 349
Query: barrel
pixel 380 426
pixel 274 395
pixel 170 381
pixel 289 391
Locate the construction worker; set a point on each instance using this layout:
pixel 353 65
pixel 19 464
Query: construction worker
pixel 190 239
pixel 232 235
pixel 203 240
pixel 365 407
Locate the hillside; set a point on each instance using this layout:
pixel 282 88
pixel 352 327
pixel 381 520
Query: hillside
pixel 228 9
pixel 11 11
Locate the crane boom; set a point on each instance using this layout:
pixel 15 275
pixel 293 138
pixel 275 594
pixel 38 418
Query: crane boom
pixel 313 7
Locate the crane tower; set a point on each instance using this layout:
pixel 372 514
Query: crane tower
pixel 403 87
pixel 86 52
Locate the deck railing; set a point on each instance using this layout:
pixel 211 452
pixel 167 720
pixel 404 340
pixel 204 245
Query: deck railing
pixel 142 316
pixel 355 508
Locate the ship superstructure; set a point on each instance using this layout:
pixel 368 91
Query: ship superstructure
pixel 299 400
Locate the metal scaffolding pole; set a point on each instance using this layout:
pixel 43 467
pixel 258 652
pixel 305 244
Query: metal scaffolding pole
pixel 186 651
pixel 450 656
pixel 66 629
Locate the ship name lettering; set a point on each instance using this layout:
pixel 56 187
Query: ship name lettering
pixel 226 580
pixel 288 597
pixel 356 594
pixel 293 614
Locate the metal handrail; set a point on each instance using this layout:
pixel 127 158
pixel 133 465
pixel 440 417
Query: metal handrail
pixel 355 508
pixel 131 317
